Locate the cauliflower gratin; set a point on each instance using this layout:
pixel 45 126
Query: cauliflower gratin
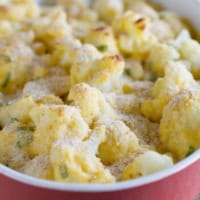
pixel 96 91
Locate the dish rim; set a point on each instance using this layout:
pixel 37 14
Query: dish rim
pixel 111 187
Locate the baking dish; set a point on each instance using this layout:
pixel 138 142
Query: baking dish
pixel 179 182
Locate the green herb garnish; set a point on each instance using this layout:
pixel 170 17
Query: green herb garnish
pixel 102 48
pixel 63 171
pixel 24 140
pixel 162 16
pixel 13 119
pixel 26 128
pixel 128 72
pixel 19 144
pixel 190 151
pixel 7 164
pixel 6 80
pixel 6 58
pixel 153 78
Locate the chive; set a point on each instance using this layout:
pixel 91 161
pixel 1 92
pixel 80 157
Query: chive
pixel 102 48
pixel 19 144
pixel 127 72
pixel 162 16
pixel 190 151
pixel 6 58
pixel 24 141
pixel 6 164
pixel 153 78
pixel 13 119
pixel 6 80
pixel 63 171
pixel 26 128
pixel 37 78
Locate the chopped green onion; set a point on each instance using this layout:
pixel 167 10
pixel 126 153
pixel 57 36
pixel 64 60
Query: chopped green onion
pixel 153 78
pixel 6 164
pixel 13 119
pixel 19 144
pixel 102 48
pixel 190 151
pixel 37 78
pixel 24 140
pixel 162 16
pixel 6 80
pixel 127 72
pixel 26 128
pixel 6 58
pixel 63 171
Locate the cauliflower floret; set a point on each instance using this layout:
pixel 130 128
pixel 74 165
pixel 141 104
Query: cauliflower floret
pixel 133 35
pixel 15 139
pixel 38 167
pixel 16 11
pixel 145 164
pixel 179 126
pixel 120 141
pixel 172 19
pixel 108 10
pixel 87 53
pixel 64 52
pixel 80 28
pixel 103 39
pixel 190 51
pixel 12 153
pixel 57 85
pixel 162 30
pixel 159 57
pixel 16 57
pixel 51 26
pixel 50 99
pixel 134 69
pixel 53 122
pixel 18 109
pixel 102 73
pixel 68 51
pixel 177 78
pixel 6 29
pixel 75 161
pixel 74 8
pixel 90 101
pixel 140 6
pixel 183 35
pixel 81 16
